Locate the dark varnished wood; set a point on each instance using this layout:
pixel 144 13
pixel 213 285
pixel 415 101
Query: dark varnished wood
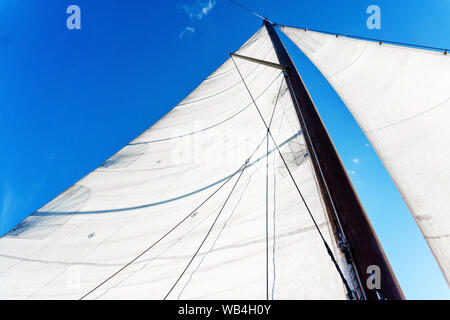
pixel 347 215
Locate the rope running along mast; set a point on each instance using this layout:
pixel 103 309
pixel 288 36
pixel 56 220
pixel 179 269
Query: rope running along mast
pixel 353 232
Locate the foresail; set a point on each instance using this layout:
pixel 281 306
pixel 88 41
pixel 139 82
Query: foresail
pixel 400 97
pixel 184 211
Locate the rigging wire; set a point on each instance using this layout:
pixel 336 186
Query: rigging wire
pixel 276 102
pixel 398 43
pixel 327 247
pixel 241 169
pixel 380 41
pixel 267 215
pixel 274 229
pixel 302 120
pixel 244 189
pixel 209 231
pixel 267 191
pixel 245 8
pixel 165 235
pixel 177 225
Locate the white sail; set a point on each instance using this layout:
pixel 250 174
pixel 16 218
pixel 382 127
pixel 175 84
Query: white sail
pixel 121 210
pixel 400 97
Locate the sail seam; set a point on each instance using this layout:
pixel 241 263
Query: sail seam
pixel 213 76
pixel 350 64
pixel 411 117
pixel 214 125
pixel 218 236
pixel 223 91
pixel 241 170
pixel 168 200
pixel 166 234
pixel 209 231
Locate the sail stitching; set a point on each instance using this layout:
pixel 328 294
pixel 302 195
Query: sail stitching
pixel 214 76
pixel 171 199
pixel 223 91
pixel 250 43
pixel 218 236
pixel 209 231
pixel 214 125
pixel 350 64
pixel 166 234
pixel 241 48
pixel 241 169
pixel 411 117
pixel 159 256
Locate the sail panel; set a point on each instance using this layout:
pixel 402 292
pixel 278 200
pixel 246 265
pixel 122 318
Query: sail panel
pixel 169 194
pixel 400 97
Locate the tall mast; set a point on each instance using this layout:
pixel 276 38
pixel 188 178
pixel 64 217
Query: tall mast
pixel 352 230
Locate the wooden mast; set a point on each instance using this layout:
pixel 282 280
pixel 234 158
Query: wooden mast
pixel 352 229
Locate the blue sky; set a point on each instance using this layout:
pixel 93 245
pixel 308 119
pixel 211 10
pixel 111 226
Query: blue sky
pixel 69 99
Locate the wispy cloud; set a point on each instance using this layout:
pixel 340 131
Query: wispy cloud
pixel 186 30
pixel 355 160
pixel 210 4
pixel 351 171
pixel 198 9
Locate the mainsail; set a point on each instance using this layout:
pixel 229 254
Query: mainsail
pixel 400 97
pixel 198 206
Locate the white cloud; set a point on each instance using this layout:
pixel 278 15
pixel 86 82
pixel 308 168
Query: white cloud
pixel 187 29
pixel 207 8
pixel 356 160
pixel 367 145
pixel 351 171
pixel 199 9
